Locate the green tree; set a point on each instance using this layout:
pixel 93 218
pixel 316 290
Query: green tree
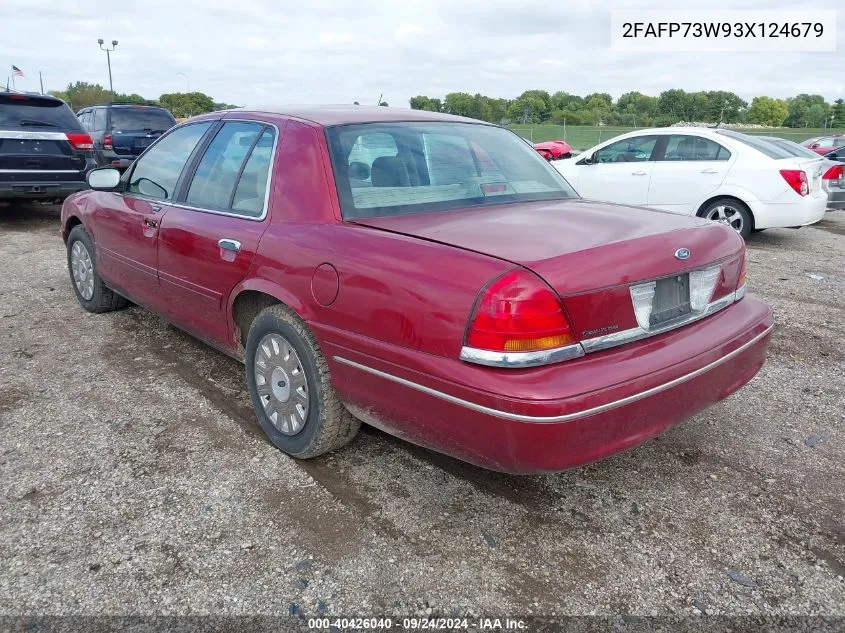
pixel 422 102
pixel 82 94
pixel 186 104
pixel 839 113
pixel 768 111
pixel 807 111
pixel 459 103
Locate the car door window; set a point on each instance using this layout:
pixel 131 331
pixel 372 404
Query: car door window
pixel 629 150
pixel 156 173
pixel 825 142
pixel 683 147
pixel 83 120
pixel 218 170
pixel 251 190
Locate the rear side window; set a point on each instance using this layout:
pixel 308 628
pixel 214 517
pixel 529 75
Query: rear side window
pixel 252 186
pixel 761 145
pixel 220 167
pixel 22 112
pixel 682 147
pixel 139 119
pixel 156 173
pixel 99 123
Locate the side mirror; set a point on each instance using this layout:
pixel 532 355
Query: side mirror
pixel 103 179
pixel 815 145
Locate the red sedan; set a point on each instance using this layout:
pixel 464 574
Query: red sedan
pixel 370 264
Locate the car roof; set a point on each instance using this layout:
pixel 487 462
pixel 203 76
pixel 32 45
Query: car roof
pixel 25 96
pixel 327 115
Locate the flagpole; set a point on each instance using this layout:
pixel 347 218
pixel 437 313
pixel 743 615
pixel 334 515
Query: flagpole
pixel 41 80
pixel 13 81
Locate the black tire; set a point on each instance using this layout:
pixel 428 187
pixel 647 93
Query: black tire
pixel 327 423
pixel 735 205
pixel 103 299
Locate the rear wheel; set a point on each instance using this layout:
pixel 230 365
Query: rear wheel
pixel 290 387
pixel 91 292
pixel 730 212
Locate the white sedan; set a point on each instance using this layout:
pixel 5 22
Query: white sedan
pixel 739 180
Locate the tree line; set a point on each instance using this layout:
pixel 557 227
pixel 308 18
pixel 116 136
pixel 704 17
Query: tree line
pixel 638 109
pixel 82 94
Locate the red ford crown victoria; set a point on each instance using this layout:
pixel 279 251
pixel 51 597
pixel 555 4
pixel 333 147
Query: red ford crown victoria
pixel 430 275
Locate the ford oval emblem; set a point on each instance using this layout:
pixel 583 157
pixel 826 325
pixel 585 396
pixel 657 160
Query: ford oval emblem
pixel 682 253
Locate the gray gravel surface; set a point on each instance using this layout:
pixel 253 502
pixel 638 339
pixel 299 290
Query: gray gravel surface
pixel 134 479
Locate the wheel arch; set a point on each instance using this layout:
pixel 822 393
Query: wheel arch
pixel 70 223
pixel 252 296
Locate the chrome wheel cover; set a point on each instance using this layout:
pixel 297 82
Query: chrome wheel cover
pixel 281 384
pixel 82 269
pixel 727 215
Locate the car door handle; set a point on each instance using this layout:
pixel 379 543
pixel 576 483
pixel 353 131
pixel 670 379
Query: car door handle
pixel 709 171
pixel 639 173
pixel 229 245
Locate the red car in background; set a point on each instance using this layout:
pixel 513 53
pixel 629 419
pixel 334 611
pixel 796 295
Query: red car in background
pixel 367 264
pixel 824 144
pixel 553 150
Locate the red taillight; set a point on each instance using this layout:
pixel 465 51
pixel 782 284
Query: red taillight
pixel 80 140
pixel 797 179
pixel 107 141
pixel 834 173
pixel 518 312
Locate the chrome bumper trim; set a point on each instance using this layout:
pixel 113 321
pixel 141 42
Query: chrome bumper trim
pixel 517 360
pixel 567 417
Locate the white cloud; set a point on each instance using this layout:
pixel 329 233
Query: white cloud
pixel 332 51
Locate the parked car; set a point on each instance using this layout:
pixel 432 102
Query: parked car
pixel 836 154
pixel 44 152
pixel 833 180
pixel 553 150
pixel 121 131
pixel 452 301
pixel 824 144
pixel 716 174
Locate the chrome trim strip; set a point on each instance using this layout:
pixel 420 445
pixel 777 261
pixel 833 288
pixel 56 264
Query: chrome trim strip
pixel 34 136
pixel 516 360
pixel 568 417
pixel 741 292
pixel 607 341
pixel 40 171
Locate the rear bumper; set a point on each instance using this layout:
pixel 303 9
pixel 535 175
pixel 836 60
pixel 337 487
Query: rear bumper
pixel 801 212
pixel 593 415
pixel 39 190
pixel 836 200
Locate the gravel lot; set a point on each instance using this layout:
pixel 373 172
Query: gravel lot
pixel 134 479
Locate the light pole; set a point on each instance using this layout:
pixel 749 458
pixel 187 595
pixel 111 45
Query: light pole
pixel 108 60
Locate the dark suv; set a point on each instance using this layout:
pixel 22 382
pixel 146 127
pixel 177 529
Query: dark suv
pixel 121 131
pixel 44 152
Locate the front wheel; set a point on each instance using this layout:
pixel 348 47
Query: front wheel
pixel 91 292
pixel 730 212
pixel 290 388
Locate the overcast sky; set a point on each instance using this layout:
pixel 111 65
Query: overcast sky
pixel 319 51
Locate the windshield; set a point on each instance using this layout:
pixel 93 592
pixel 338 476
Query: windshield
pixel 22 112
pixel 154 119
pixel 384 169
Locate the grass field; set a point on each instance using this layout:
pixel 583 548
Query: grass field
pixel 584 137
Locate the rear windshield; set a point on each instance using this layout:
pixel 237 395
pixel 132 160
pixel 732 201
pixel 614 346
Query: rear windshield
pixel 760 144
pixel 384 169
pixel 22 112
pixel 139 119
pixel 794 149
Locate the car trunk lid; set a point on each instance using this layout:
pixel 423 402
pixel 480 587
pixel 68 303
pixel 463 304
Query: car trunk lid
pixel 593 254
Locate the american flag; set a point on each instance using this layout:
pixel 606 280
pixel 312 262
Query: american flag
pixel 17 72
